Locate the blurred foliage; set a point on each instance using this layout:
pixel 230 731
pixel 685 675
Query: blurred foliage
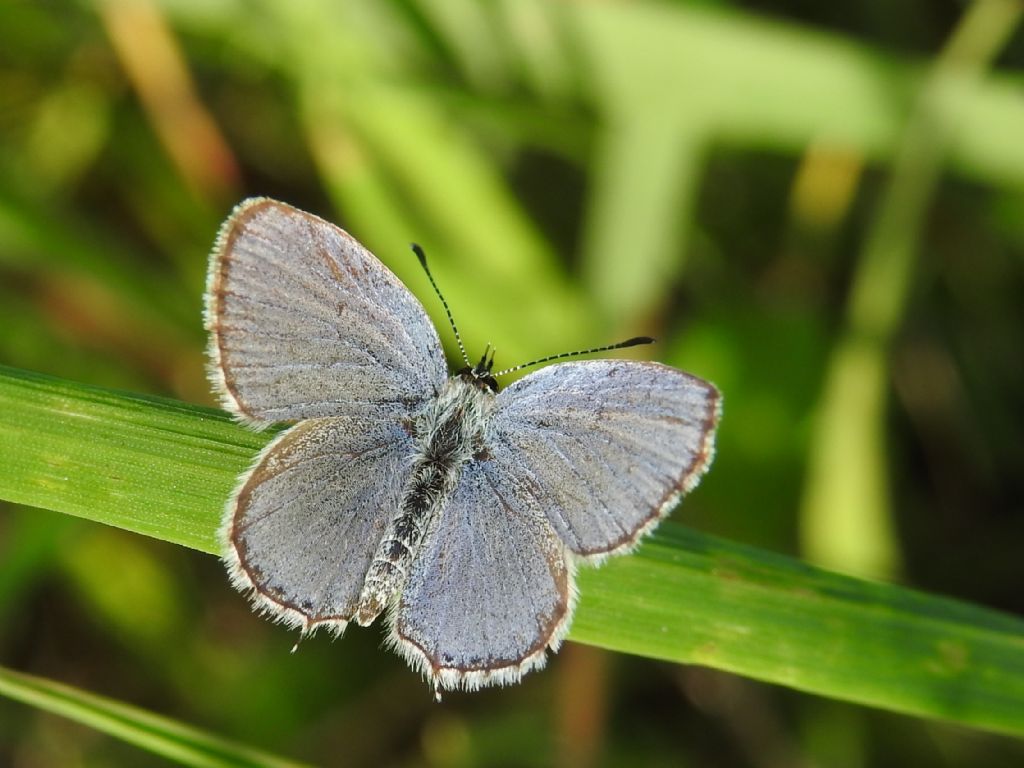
pixel 714 174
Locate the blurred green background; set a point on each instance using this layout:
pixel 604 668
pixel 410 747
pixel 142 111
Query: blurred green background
pixel 820 207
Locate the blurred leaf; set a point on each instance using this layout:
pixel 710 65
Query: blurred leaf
pixel 49 239
pixel 28 542
pixel 164 468
pixel 127 590
pixel 154 733
pixel 668 84
pixel 59 156
pixel 846 517
pixel 151 58
pixel 792 85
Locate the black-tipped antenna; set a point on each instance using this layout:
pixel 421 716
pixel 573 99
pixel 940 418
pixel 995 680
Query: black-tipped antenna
pixel 627 343
pixel 451 320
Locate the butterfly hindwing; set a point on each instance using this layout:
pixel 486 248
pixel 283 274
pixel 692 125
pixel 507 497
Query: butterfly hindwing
pixel 302 527
pixel 490 590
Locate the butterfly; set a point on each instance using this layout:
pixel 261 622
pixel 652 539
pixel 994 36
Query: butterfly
pixel 458 510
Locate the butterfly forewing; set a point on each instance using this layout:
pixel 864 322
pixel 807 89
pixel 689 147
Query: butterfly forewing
pixel 305 322
pixel 606 447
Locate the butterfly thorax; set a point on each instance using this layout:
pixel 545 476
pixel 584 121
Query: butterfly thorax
pixel 447 433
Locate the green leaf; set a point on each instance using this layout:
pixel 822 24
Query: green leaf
pixel 164 468
pixel 145 464
pixel 156 734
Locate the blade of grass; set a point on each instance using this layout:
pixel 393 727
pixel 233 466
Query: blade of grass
pixel 164 468
pixel 148 465
pixel 154 733
pixel 692 598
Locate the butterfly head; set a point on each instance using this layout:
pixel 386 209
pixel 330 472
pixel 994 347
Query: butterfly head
pixel 480 374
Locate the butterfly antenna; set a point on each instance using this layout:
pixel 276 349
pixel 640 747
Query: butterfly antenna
pixel 636 340
pixel 451 320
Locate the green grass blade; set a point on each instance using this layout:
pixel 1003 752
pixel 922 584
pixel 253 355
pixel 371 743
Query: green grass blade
pixel 148 465
pixel 692 598
pixel 154 733
pixel 164 468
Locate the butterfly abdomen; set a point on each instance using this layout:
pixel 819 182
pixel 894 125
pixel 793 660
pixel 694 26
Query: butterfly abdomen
pixel 447 434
